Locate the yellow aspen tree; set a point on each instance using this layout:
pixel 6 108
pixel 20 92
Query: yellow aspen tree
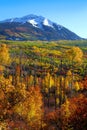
pixel 69 79
pixel 74 54
pixel 31 107
pixel 76 86
pixel 4 54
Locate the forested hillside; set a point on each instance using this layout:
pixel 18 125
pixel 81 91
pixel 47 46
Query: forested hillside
pixel 43 85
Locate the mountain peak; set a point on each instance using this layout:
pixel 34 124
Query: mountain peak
pixel 35 20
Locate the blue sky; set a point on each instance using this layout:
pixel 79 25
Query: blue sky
pixel 70 13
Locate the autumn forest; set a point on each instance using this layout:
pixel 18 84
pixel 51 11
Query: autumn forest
pixel 43 85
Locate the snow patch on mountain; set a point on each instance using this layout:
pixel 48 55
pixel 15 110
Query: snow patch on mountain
pixel 33 22
pixel 46 22
pixel 11 20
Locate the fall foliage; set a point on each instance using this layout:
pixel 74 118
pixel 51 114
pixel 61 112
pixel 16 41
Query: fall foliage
pixel 39 90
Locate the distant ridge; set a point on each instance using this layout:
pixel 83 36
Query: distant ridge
pixel 33 27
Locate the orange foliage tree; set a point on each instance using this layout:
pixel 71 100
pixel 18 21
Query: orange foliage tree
pixel 71 116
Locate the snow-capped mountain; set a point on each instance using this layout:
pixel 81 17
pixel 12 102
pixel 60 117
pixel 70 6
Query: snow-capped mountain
pixel 36 21
pixel 33 27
